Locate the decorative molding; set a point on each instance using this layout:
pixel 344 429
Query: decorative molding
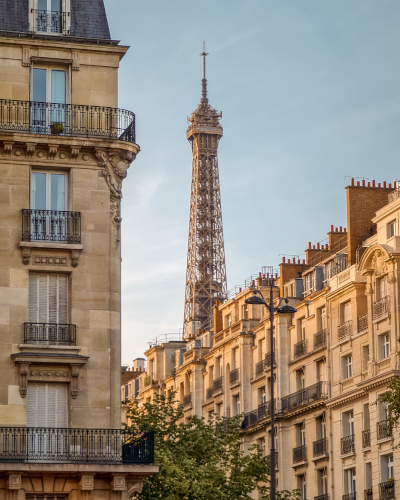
pixel 39 259
pixel 14 482
pixel 75 254
pixel 384 364
pixel 369 289
pixel 118 483
pixel 30 149
pixel 52 151
pixel 86 483
pixel 23 372
pixel 391 279
pixel 74 152
pixel 26 56
pixel 75 60
pixel 7 148
pixel 26 255
pixel 74 385
pixel 48 373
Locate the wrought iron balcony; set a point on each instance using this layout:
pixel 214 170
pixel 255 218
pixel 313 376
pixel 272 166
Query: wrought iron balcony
pixel 49 333
pixel 320 339
pixel 324 496
pixel 253 416
pixel 72 120
pixel 47 21
pixel 51 225
pixel 217 384
pixel 300 454
pixel 345 329
pixel 300 348
pixel 368 494
pixel 148 380
pixel 381 307
pixel 234 376
pixel 305 396
pixel 268 358
pixel 49 445
pixel 209 393
pixel 366 438
pixel 347 445
pixel 350 496
pixel 382 430
pixel 259 368
pixel 319 447
pixel 362 323
pixel 187 400
pixel 386 490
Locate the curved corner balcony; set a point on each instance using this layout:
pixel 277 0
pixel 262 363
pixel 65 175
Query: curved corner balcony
pixel 71 120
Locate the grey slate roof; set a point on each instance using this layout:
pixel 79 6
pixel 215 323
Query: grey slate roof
pixel 88 18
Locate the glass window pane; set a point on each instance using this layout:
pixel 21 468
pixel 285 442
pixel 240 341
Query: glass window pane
pixel 39 85
pixel 42 4
pixel 58 86
pixel 56 5
pixel 57 192
pixel 38 191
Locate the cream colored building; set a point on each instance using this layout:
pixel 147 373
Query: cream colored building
pixel 65 148
pixel 333 358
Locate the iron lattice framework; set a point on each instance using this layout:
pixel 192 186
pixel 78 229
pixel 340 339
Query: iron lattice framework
pixel 205 268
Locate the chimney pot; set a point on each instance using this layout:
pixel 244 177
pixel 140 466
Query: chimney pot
pixel 313 247
pixel 363 183
pixel 379 184
pixel 340 228
pixel 395 184
pixel 331 228
pixel 298 261
pixel 390 186
pixel 369 184
pixel 309 245
pixel 352 181
pixel 358 183
pixel 304 261
pixel 317 246
pixel 240 289
pixel 283 260
pixel 384 184
pixel 344 230
pixel 373 183
pixel 259 275
pixel 252 283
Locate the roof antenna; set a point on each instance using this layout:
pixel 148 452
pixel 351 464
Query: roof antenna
pixel 204 81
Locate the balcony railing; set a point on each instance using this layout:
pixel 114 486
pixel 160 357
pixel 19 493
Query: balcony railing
pixel 217 384
pixel 268 358
pixel 187 400
pixel 253 416
pixel 49 333
pixel 320 339
pixel 347 445
pixel 382 430
pixel 300 348
pixel 47 21
pixel 366 438
pixel 38 444
pixel 368 494
pixel 362 323
pixel 345 329
pixel 386 490
pixel 325 496
pixel 319 447
pixel 381 307
pixel 234 376
pixel 148 380
pixel 259 368
pixel 209 393
pixel 73 120
pixel 300 454
pixel 51 225
pixel 350 496
pixel 305 396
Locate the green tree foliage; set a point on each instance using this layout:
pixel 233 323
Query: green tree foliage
pixel 200 460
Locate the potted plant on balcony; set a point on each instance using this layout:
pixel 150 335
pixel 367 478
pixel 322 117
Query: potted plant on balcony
pixel 57 128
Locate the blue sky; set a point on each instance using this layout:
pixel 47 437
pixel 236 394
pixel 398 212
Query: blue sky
pixel 309 92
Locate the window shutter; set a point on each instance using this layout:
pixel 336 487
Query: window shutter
pixel 53 298
pixel 62 299
pixel 31 405
pixel 43 295
pixel 33 298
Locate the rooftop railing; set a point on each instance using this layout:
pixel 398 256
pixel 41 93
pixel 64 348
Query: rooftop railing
pixel 305 396
pixel 51 445
pixel 49 333
pixel 72 120
pixel 381 307
pixel 51 225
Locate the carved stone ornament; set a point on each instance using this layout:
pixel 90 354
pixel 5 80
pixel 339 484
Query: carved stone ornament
pixel 23 372
pixel 52 151
pixel 26 56
pixel 74 152
pixel 115 165
pixel 391 279
pixel 74 258
pixel 26 255
pixel 7 148
pixel 30 149
pixel 369 290
pixel 74 385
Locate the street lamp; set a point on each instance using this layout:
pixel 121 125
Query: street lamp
pixel 283 309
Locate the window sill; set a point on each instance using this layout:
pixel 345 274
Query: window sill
pixel 51 245
pixel 299 464
pixel 320 457
pixel 352 454
pixel 27 247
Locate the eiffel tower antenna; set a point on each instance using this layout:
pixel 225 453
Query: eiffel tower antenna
pixel 205 268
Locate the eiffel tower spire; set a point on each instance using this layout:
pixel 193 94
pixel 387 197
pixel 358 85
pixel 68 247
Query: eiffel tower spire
pixel 205 268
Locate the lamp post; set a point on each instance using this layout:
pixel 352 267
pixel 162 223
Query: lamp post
pixel 256 300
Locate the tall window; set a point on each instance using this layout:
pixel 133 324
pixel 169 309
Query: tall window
pixel 387 467
pixel 48 298
pixel 365 356
pixel 261 444
pixel 245 311
pixel 322 480
pixel 346 312
pixel 321 429
pixel 391 229
pixel 323 318
pixel 382 288
pixel 47 405
pixel 301 485
pixel 384 346
pixel 350 481
pixel 236 361
pixel 236 405
pixel 302 333
pixel 48 16
pixel 347 366
pixel 48 191
pixel 348 424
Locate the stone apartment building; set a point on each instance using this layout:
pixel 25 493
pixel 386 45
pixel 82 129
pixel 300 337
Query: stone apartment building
pixel 65 148
pixel 333 358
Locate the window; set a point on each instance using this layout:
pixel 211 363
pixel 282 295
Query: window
pixel 48 17
pixel 348 424
pixel 48 298
pixel 301 485
pixel 321 371
pixel 261 350
pixel 245 310
pixel 228 321
pixel 350 481
pixel 365 357
pixel 321 429
pixel 382 288
pixel 219 367
pixel 345 312
pixel 322 481
pixel 236 405
pixel 47 405
pixel 302 332
pixel 391 229
pixel 301 434
pixel 368 476
pixel 387 467
pixel 235 358
pixel 151 368
pixel 322 318
pixel 262 397
pixel 300 379
pixel 261 444
pixel 384 346
pixel 347 366
pixel 366 417
pixel 48 191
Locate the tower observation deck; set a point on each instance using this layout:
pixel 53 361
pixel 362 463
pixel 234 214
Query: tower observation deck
pixel 205 268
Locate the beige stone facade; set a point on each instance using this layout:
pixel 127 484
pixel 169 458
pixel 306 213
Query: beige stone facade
pixel 60 269
pixel 334 358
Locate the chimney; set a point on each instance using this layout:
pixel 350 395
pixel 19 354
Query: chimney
pixel 217 319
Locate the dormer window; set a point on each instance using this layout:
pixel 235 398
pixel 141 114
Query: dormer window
pixel 50 16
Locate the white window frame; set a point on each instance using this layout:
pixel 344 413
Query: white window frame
pixel 384 341
pixel 65 7
pixel 347 366
pixel 391 229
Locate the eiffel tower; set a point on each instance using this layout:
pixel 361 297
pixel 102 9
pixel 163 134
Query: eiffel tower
pixel 205 268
